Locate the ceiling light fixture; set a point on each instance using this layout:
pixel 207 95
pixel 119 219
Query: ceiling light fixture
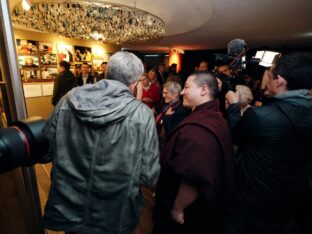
pixel 26 5
pixel 91 20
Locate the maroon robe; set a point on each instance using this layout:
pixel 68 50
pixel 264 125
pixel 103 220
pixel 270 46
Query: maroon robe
pixel 200 152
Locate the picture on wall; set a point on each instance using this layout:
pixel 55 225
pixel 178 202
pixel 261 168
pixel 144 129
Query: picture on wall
pixel 26 46
pixel 100 56
pixel 28 61
pixel 48 59
pixel 45 47
pixel 82 54
pixel 49 73
pixel 64 53
pixel 30 74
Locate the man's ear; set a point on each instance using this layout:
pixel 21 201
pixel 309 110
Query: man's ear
pixel 281 82
pixel 132 86
pixel 204 90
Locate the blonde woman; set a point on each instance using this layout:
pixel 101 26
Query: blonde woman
pixel 147 92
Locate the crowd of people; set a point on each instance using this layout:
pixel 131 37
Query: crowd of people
pixel 225 153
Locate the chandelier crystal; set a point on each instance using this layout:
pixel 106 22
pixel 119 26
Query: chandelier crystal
pixel 90 20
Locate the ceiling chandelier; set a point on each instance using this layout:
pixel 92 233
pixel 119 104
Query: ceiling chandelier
pixel 90 20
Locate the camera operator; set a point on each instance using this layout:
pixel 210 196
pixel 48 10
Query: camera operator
pixel 274 153
pixel 224 69
pixel 228 82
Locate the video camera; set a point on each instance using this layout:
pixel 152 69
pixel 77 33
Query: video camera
pixel 236 57
pixel 22 144
pixel 236 54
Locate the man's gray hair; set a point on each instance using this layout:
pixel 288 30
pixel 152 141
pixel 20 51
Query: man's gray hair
pixel 208 79
pixel 173 87
pixel 124 67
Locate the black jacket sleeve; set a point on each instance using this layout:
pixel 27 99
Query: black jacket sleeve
pixel 243 129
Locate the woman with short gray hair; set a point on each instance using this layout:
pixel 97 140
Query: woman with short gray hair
pixel 173 86
pixel 172 112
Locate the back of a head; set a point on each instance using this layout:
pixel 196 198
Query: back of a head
pixel 173 67
pixel 124 67
pixel 296 69
pixel 174 77
pixel 65 64
pixel 162 65
pixel 208 79
pixel 245 94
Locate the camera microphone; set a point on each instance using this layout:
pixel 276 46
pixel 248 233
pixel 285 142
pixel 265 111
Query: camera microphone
pixel 236 46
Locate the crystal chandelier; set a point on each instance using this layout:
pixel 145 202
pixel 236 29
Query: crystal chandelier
pixel 90 20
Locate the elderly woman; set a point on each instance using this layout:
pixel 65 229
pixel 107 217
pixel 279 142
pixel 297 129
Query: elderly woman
pixel 172 112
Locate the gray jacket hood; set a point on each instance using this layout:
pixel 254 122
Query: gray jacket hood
pixel 106 102
pixel 299 97
pixel 299 112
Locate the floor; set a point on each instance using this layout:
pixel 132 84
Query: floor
pixel 43 177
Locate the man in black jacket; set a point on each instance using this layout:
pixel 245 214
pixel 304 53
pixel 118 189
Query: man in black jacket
pixel 85 77
pixel 274 152
pixel 102 75
pixel 162 74
pixel 64 82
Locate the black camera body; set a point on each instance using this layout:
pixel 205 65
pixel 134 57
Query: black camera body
pixel 222 58
pixel 22 144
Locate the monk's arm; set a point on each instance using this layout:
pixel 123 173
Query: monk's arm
pixel 186 195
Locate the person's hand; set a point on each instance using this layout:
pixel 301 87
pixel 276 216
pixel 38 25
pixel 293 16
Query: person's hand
pixel 258 103
pixel 219 84
pixel 140 84
pixel 231 98
pixel 169 111
pixel 146 99
pixel 177 215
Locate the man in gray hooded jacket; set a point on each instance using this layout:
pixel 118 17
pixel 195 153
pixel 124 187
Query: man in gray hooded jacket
pixel 104 146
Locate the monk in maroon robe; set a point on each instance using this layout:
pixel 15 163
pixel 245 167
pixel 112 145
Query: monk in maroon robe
pixel 197 165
